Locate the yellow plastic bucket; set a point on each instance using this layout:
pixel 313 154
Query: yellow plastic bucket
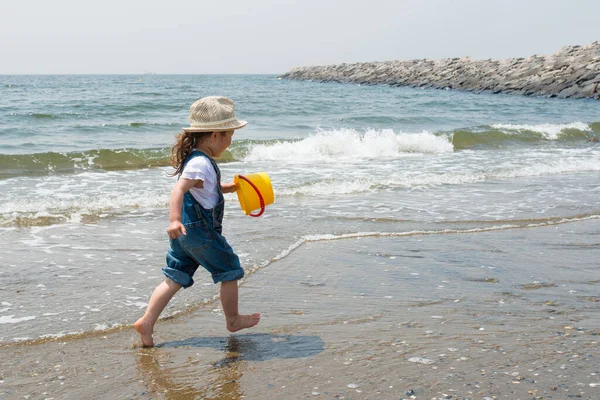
pixel 254 192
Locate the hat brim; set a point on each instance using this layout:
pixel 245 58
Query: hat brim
pixel 216 128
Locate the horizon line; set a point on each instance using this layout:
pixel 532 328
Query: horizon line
pixel 131 74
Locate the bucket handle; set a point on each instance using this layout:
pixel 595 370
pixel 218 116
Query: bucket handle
pixel 260 198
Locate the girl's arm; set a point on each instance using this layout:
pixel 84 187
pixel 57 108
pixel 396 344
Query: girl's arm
pixel 228 187
pixel 176 228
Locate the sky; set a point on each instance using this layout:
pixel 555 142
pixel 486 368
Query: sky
pixel 274 36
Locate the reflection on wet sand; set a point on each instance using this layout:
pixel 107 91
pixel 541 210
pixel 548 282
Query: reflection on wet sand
pixel 176 384
pixel 162 376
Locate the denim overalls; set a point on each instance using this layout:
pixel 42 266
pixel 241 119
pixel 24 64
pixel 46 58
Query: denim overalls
pixel 203 245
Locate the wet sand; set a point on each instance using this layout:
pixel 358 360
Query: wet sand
pixel 370 318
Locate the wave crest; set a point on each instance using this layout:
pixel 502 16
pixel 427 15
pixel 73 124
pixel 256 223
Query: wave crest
pixel 547 131
pixel 348 144
pixel 102 159
pixel 506 135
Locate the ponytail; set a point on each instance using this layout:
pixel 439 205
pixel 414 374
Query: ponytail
pixel 184 145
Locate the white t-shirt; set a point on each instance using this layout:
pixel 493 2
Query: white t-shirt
pixel 201 168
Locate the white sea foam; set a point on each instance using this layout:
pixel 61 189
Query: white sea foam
pixel 553 168
pixel 356 235
pixel 324 187
pixel 549 131
pixel 84 203
pixel 341 162
pixel 437 176
pixel 8 319
pixel 421 360
pixel 72 197
pixel 348 144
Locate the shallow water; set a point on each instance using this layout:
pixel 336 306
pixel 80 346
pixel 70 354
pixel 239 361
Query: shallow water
pixel 84 186
pixel 502 313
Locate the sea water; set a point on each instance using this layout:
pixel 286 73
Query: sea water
pixel 84 180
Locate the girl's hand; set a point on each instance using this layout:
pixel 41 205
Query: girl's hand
pixel 176 229
pixel 228 187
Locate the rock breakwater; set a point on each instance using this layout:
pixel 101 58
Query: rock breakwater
pixel 572 72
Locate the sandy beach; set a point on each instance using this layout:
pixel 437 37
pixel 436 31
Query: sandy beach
pixel 360 318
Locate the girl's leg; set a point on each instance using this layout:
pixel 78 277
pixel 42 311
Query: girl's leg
pixel 229 300
pixel 158 301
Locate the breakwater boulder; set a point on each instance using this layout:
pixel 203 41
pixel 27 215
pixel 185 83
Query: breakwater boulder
pixel 572 72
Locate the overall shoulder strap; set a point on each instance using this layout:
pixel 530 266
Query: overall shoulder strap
pixel 192 155
pixel 198 153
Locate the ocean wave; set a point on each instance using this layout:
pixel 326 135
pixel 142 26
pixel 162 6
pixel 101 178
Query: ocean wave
pixel 507 135
pixel 348 144
pixel 41 115
pixel 51 163
pixel 54 201
pixel 548 131
pixel 372 119
pixel 139 124
pixel 144 94
pixel 90 196
pixel 103 159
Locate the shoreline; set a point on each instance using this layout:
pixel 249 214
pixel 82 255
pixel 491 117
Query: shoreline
pixel 572 72
pixel 210 297
pixel 360 318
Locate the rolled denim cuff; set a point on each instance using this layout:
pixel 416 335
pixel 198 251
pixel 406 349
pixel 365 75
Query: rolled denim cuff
pixel 178 277
pixel 234 275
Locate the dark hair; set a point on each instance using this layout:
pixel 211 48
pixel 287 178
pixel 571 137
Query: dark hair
pixel 184 145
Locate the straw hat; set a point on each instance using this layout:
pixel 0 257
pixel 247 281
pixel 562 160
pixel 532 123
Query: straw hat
pixel 213 113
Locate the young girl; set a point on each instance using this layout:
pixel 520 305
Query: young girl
pixel 196 214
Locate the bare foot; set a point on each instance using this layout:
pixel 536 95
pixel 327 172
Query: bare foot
pixel 243 322
pixel 145 332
